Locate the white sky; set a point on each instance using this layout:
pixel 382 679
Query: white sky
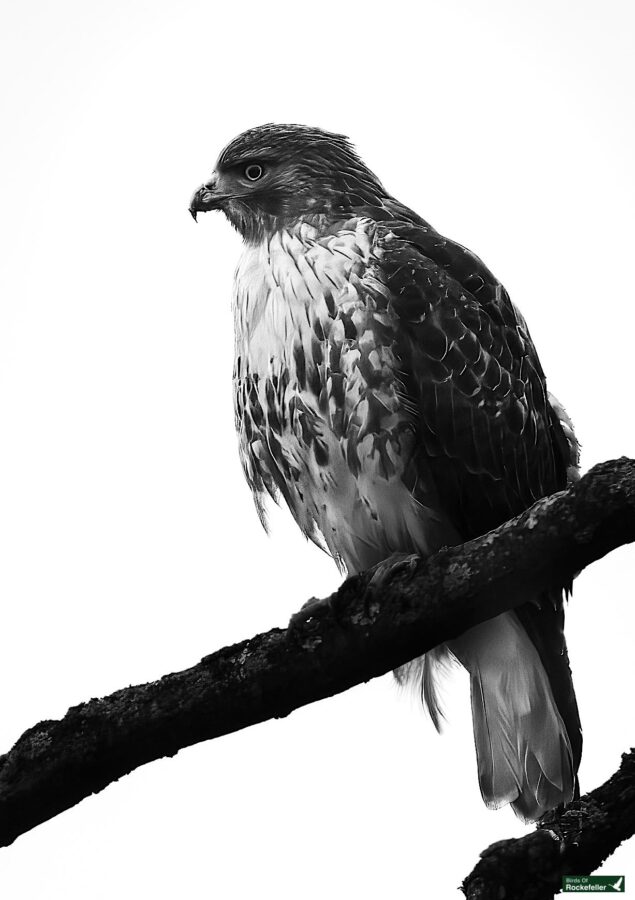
pixel 129 546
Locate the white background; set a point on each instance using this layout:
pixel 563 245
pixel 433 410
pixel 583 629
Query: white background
pixel 129 545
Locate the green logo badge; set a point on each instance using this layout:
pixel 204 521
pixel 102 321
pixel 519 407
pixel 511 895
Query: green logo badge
pixel 581 884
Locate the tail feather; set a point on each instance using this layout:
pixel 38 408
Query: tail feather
pixel 544 623
pixel 525 717
pixel 523 750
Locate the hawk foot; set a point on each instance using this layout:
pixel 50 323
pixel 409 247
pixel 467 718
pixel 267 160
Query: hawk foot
pixel 399 563
pixel 313 608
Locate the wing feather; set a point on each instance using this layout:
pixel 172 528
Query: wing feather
pixel 488 435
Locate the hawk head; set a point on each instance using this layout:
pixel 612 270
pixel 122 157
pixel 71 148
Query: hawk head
pixel 278 174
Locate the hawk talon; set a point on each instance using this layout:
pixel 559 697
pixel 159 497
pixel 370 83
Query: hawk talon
pixel 308 611
pixel 402 562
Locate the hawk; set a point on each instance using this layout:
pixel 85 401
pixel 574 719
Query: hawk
pixel 388 389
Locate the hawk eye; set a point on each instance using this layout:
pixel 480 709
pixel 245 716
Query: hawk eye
pixel 253 172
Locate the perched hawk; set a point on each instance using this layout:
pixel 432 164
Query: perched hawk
pixel 388 389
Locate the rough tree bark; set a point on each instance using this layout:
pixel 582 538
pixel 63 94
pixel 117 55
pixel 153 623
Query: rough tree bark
pixel 374 623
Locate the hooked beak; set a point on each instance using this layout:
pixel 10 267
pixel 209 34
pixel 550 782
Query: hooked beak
pixel 206 198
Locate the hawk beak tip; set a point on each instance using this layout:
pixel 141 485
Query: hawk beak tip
pixel 193 214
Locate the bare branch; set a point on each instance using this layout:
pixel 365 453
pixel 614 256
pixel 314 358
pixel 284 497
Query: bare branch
pixel 370 626
pixel 573 840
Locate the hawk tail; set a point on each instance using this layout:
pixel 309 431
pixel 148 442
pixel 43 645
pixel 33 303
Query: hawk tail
pixel 524 751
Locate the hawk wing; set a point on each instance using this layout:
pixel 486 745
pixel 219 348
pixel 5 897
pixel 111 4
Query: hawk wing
pixel 488 435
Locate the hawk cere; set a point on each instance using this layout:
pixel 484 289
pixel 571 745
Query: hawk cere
pixel 388 389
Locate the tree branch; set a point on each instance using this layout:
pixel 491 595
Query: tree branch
pixel 573 840
pixel 374 623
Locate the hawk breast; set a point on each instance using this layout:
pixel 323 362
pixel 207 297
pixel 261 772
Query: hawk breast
pixel 318 397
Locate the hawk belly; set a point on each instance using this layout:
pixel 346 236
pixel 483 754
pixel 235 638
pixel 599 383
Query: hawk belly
pixel 319 409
